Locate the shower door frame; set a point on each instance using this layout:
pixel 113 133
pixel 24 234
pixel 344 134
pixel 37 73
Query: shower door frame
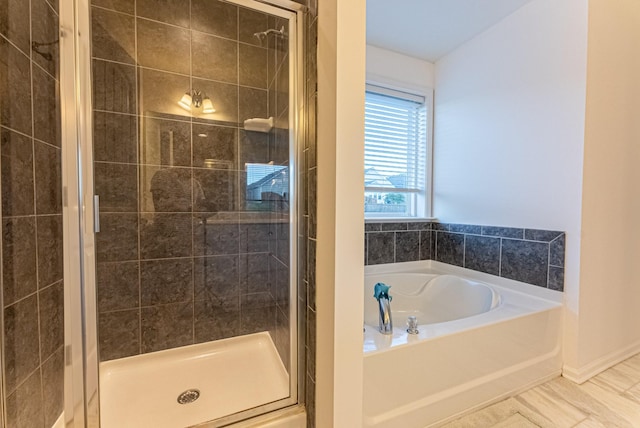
pixel 80 217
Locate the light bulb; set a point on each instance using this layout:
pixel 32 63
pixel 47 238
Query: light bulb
pixel 185 101
pixel 207 106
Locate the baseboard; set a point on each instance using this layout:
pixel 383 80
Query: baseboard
pixel 584 373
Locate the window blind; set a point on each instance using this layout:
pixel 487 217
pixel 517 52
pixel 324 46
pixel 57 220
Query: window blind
pixel 395 141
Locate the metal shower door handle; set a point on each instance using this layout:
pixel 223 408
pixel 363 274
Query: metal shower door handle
pixel 96 213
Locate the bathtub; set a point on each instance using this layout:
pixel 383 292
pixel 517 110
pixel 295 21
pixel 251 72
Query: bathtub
pixel 481 338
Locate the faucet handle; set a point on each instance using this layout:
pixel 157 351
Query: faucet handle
pixel 412 325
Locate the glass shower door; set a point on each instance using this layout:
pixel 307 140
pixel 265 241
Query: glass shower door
pixel 193 124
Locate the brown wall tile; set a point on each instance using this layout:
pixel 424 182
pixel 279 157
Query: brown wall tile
pixel 46 108
pixel 45 30
pixel 50 258
pixel 51 304
pixel 21 342
pixel 119 334
pixel 163 47
pixel 15 89
pixel 19 277
pixel 24 405
pixel 115 137
pixel 169 11
pixel 214 58
pixel 31 185
pixel 113 36
pixel 17 173
pixel 215 17
pixel 14 23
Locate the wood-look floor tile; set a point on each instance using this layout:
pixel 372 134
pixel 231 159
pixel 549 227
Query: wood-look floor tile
pixel 634 361
pixel 609 400
pixel 619 378
pixel 633 393
pixel 547 408
pixel 591 423
pixel 621 410
pixel 587 399
pixel 487 417
pixel 516 421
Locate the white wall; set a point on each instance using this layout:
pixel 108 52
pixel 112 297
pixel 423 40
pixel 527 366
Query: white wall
pixel 509 127
pixel 609 306
pixel 509 120
pixel 398 70
pixel 340 213
pixel 530 134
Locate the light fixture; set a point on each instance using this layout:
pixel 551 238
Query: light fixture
pixel 207 105
pixel 196 99
pixel 185 101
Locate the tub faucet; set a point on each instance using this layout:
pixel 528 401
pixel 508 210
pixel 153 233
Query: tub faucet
pixel 381 293
pixel 412 325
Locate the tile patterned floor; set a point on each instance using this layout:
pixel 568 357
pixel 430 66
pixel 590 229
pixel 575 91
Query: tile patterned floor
pixel 611 399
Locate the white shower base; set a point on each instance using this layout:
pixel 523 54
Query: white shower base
pixel 232 375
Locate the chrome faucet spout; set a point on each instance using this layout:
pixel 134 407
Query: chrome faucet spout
pixel 385 321
pixel 381 294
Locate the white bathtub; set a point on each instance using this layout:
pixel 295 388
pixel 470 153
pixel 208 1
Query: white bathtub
pixel 431 298
pixel 481 338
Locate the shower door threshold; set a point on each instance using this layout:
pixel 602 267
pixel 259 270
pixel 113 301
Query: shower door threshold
pixel 212 380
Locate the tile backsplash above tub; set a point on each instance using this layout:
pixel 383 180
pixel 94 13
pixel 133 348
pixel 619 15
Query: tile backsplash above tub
pixel 532 256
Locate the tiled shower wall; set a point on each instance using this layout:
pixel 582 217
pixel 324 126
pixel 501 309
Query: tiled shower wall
pixel 532 256
pixel 32 269
pixel 308 238
pixel 179 260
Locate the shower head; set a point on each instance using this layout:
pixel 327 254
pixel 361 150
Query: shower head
pixel 262 35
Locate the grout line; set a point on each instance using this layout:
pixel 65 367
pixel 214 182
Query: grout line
pixel 3 402
pixel 237 137
pixel 192 196
pixel 35 199
pixel 7 394
pixel 46 71
pixel 52 146
pixel 435 256
pixel 18 217
pixel 548 264
pixel 116 11
pixel 4 127
pixel 500 259
pixel 122 113
pixel 35 206
pixel 139 134
pixel 464 249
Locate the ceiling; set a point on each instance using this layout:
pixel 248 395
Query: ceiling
pixel 429 29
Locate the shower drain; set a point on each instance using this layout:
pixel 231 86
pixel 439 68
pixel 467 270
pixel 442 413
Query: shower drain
pixel 189 396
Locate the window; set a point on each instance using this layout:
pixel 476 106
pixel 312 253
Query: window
pixel 396 152
pixel 267 187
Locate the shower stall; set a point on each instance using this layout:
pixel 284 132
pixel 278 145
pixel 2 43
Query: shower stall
pixel 181 139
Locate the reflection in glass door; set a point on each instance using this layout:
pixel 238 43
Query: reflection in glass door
pixel 193 122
